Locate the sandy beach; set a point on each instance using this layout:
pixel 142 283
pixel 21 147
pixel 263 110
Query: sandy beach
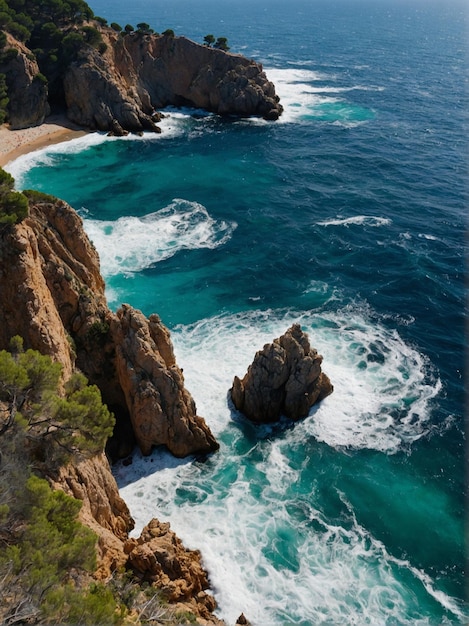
pixel 14 143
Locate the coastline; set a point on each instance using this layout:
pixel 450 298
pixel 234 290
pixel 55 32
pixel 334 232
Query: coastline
pixel 55 129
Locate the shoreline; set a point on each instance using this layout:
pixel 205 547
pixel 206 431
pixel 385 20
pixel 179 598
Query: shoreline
pixel 55 129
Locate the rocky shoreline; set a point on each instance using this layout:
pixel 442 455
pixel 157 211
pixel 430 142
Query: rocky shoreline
pixel 121 87
pixel 52 295
pixel 52 291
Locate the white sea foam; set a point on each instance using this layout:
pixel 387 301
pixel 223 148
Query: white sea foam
pixel 383 387
pixel 49 155
pixel 131 244
pixel 302 98
pixel 271 552
pixel 172 125
pixel 356 220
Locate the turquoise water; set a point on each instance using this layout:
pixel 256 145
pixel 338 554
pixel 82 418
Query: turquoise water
pixel 347 216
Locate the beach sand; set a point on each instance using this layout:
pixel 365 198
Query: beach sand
pixel 56 128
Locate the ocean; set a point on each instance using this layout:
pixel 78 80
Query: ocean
pixel 348 216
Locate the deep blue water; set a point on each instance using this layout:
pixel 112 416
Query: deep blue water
pixel 349 215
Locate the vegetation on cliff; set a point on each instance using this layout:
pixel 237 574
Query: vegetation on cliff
pixel 65 552
pixel 47 556
pixel 45 549
pixel 54 53
pixel 54 31
pixel 13 204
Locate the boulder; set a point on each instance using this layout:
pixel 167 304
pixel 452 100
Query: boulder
pixel 285 378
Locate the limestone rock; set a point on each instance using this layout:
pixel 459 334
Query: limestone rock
pixel 285 378
pixel 122 88
pixel 159 557
pixel 27 91
pixel 161 409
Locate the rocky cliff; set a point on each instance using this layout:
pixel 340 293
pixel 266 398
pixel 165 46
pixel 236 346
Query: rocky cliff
pixel 285 378
pixel 52 295
pixel 141 73
pixel 157 557
pixel 27 88
pixel 120 86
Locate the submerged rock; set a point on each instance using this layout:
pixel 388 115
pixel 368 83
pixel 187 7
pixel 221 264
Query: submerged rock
pixel 285 378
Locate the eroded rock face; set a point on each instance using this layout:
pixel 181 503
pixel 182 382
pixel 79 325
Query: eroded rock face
pixel 27 91
pixel 103 510
pixel 52 294
pixel 121 89
pixel 285 378
pixel 162 411
pixel 159 557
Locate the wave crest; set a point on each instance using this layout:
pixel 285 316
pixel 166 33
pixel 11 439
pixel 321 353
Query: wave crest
pixel 132 244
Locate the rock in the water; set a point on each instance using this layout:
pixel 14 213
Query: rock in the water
pixel 285 378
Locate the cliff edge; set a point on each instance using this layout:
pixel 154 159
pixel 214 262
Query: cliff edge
pixel 52 295
pixel 120 85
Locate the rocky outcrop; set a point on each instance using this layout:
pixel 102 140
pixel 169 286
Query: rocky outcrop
pixel 159 557
pixel 161 409
pixel 103 510
pixel 138 74
pixel 27 88
pixel 52 295
pixel 285 378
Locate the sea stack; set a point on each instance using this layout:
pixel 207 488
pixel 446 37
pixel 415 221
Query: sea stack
pixel 285 378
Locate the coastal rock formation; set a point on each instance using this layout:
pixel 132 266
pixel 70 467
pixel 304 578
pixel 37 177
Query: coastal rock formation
pixel 159 557
pixel 103 510
pixel 119 87
pixel 52 295
pixel 161 409
pixel 138 74
pixel 285 378
pixel 27 88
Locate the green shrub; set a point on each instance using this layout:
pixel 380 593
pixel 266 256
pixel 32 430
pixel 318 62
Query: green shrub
pixel 38 196
pixel 8 55
pixel 40 78
pixel 13 208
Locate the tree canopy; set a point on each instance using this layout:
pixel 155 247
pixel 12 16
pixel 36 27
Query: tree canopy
pixel 14 205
